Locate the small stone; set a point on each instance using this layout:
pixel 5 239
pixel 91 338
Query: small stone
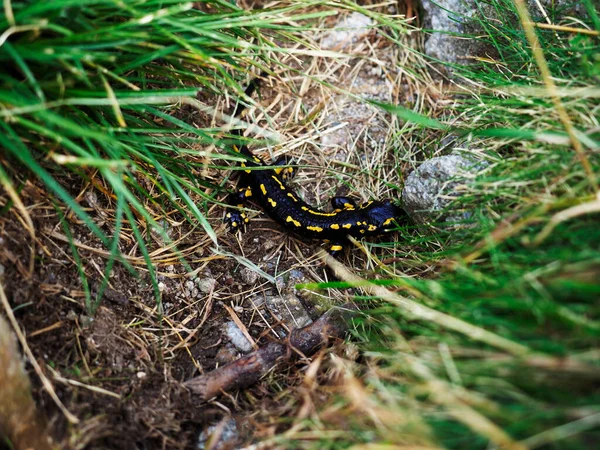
pixel 227 431
pixel 206 285
pixel 236 337
pixel 289 310
pixel 349 30
pixel 91 198
pixel 248 276
pixel 162 287
pixel 85 321
pixel 141 375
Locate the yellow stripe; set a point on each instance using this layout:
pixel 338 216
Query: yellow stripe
pixel 336 248
pixel 278 182
pixel 347 225
pixel 290 195
pixel 388 221
pixel 334 226
pixel 263 189
pixel 272 202
pixel 317 213
pixel 313 228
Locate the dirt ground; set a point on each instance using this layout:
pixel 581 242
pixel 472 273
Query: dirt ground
pixel 120 371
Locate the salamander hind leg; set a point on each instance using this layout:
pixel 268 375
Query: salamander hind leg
pixel 234 218
pixel 343 203
pixel 335 248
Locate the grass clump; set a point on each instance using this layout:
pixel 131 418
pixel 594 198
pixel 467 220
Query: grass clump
pixel 522 266
pixel 92 94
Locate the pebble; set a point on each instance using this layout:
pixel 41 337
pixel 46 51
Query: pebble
pixel 236 337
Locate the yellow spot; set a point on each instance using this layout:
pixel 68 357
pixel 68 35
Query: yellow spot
pixel 334 226
pixel 366 205
pixel 272 202
pixel 290 195
pixel 294 221
pixel 248 193
pixel 347 225
pixel 388 221
pixel 256 159
pixel 335 248
pixel 362 231
pixel 372 227
pixel 313 228
pixel 237 149
pixel 349 206
pixel 278 181
pixel 228 215
pixel 234 224
pixel 278 170
pixel 263 189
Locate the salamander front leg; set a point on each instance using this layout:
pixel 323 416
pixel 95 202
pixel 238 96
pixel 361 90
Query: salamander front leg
pixel 286 173
pixel 340 203
pixel 234 218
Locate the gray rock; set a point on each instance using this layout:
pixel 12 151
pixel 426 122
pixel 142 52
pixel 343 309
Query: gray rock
pixel 435 183
pixel 206 284
pixel 448 17
pixel 248 276
pixel 288 309
pixel 236 337
pixel 451 17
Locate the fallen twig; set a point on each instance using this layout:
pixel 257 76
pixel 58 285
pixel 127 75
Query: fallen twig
pixel 250 368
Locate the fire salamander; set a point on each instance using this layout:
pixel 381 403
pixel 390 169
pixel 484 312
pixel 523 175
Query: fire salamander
pixel 268 187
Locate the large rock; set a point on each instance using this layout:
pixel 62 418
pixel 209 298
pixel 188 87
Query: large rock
pixel 451 18
pixel 434 184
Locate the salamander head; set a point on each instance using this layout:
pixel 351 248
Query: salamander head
pixel 382 216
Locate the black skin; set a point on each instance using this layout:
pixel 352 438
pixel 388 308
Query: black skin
pixel 266 184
